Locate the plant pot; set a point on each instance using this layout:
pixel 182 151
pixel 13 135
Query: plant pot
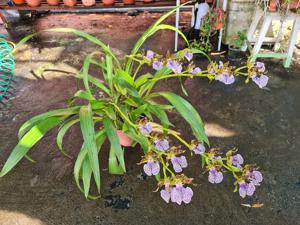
pixel 148 1
pixel 235 54
pixel 53 2
pixel 108 2
pixel 124 139
pixel 88 3
pixel 70 3
pixel 128 2
pixel 272 5
pixel 33 3
pixel 19 2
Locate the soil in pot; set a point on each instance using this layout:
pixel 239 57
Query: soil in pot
pixel 124 139
pixel 88 3
pixel 53 2
pixel 235 54
pixel 129 2
pixel 70 3
pixel 19 2
pixel 33 3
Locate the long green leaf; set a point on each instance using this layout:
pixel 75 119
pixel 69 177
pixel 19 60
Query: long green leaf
pixel 62 131
pixel 37 119
pixel 115 144
pixel 88 133
pixel 28 141
pixel 188 112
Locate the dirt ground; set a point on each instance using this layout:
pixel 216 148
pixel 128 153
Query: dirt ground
pixel 263 123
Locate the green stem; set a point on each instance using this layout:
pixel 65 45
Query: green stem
pixel 137 70
pixel 122 114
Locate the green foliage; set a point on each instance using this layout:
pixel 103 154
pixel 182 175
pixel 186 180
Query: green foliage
pixel 239 39
pixel 126 98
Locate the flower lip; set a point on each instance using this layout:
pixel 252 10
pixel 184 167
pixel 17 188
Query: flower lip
pixel 161 144
pixel 237 160
pixel 260 80
pixel 146 128
pixel 260 66
pixel 179 163
pixel 157 65
pixel 196 70
pixel 174 66
pixel 199 149
pixel 246 189
pixel 225 78
pixel 188 56
pixel 215 176
pixel 150 54
pixel 151 168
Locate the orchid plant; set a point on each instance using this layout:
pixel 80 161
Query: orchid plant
pixel 123 101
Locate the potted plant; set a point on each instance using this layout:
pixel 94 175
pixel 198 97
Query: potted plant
pixel 70 3
pixel 88 3
pixel 19 2
pixel 33 3
pixel 53 2
pixel 237 46
pixel 124 104
pixel 128 2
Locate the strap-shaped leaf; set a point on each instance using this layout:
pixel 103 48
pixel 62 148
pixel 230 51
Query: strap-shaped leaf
pixel 116 148
pixel 28 141
pixel 188 112
pixel 62 131
pixel 54 113
pixel 88 133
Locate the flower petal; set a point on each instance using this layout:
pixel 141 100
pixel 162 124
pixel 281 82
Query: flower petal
pixel 165 195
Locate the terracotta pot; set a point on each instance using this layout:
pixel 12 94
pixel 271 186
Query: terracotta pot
pixel 33 3
pixel 19 2
pixel 70 3
pixel 88 3
pixel 124 139
pixel 273 5
pixel 53 2
pixel 129 2
pixel 148 1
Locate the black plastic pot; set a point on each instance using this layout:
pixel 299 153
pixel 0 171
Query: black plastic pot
pixel 235 54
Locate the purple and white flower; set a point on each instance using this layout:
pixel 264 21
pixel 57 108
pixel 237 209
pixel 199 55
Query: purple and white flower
pixel 225 78
pixel 196 70
pixel 179 163
pixel 174 66
pixel 157 65
pixel 199 149
pixel 260 67
pixel 215 177
pixel 246 189
pixel 260 80
pixel 255 177
pixel 177 194
pixel 151 168
pixel 188 56
pixel 150 54
pixel 145 129
pixel 161 145
pixel 237 160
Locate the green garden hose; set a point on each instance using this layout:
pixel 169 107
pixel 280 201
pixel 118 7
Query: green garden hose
pixel 7 66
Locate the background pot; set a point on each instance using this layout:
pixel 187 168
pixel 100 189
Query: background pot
pixel 33 3
pixel 19 2
pixel 53 2
pixel 273 5
pixel 148 1
pixel 70 3
pixel 88 3
pixel 235 54
pixel 129 2
pixel 124 139
pixel 108 2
